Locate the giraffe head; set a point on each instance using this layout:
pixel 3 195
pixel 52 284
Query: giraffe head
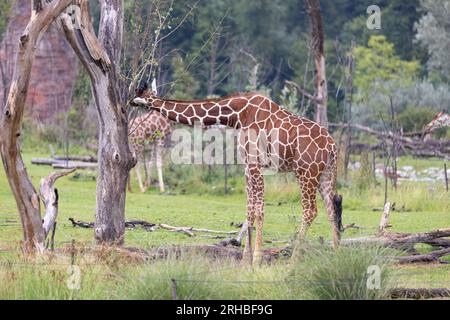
pixel 144 96
pixel 442 119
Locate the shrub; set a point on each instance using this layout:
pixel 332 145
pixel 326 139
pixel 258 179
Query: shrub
pixel 340 274
pixel 364 178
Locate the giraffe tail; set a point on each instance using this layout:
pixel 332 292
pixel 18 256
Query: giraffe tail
pixel 337 204
pixel 337 198
pixel 333 200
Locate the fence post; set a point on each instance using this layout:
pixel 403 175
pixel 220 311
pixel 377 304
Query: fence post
pixel 72 253
pixel 374 167
pixel 384 223
pixel 52 243
pixel 174 289
pixel 446 175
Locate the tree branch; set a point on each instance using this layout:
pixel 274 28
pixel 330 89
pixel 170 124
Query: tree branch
pixel 304 92
pixel 11 118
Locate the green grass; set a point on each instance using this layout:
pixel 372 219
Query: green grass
pixel 342 274
pixel 192 202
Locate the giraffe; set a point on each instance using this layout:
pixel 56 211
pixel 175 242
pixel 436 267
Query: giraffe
pixel 153 128
pixel 291 144
pixel 441 120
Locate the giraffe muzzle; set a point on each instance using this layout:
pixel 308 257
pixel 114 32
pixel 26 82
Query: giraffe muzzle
pixel 139 102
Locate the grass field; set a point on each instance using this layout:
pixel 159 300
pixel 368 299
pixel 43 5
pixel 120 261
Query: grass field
pixel 423 207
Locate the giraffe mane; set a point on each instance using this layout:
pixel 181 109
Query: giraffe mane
pixel 231 96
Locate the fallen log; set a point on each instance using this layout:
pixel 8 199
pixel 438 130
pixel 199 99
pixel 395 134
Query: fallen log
pixel 128 224
pixel 405 238
pixel 152 227
pixel 91 159
pixel 81 224
pixel 184 230
pixel 236 242
pixel 425 258
pixel 43 161
pixel 144 224
pixel 401 239
pixel 190 230
pixel 442 243
pixel 74 165
pixel 351 226
pixel 62 164
pixel 406 293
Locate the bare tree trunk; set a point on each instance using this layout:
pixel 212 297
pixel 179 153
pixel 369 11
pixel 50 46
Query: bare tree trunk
pixel 4 82
pixel 50 197
pixel 317 44
pixel 212 70
pixel 11 123
pixel 101 58
pixel 394 144
pixel 349 103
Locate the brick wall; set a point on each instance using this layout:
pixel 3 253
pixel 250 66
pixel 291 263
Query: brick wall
pixel 54 69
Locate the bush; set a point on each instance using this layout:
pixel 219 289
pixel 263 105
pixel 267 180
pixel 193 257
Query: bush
pixel 414 119
pixel 364 177
pixel 200 276
pixel 340 274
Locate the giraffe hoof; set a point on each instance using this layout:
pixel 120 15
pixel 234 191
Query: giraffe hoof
pixel 257 260
pixel 247 259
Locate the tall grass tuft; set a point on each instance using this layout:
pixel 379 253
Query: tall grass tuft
pixel 341 274
pixel 201 277
pixel 30 281
pixel 154 282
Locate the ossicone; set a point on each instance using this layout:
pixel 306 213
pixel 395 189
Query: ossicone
pixel 142 88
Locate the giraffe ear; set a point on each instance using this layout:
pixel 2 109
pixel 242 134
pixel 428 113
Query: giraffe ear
pixel 140 90
pixel 154 87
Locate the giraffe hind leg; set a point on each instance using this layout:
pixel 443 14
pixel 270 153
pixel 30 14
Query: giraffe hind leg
pixel 252 201
pixel 149 168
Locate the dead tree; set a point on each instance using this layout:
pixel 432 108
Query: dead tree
pixel 349 102
pixel 50 197
pixel 316 29
pixel 101 59
pixel 11 122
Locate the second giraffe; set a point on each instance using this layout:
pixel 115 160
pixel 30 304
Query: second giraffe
pixel 150 129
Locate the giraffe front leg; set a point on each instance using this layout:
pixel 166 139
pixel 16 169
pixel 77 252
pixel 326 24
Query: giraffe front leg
pixel 248 251
pixel 159 165
pixel 139 177
pixel 130 190
pixel 149 165
pixel 259 211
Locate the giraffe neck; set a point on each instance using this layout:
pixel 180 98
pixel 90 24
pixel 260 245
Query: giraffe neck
pixel 445 121
pixel 441 122
pixel 205 112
